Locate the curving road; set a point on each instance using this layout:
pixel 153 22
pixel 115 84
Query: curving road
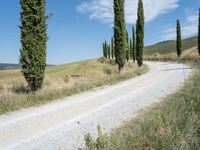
pixel 63 124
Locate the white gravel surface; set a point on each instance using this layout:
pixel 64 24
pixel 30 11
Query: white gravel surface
pixel 63 124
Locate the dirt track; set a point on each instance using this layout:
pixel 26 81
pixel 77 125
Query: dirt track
pixel 63 124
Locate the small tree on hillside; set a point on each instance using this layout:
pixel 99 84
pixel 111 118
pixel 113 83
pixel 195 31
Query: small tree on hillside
pixel 33 40
pixel 140 34
pixel 199 34
pixel 119 33
pixel 178 39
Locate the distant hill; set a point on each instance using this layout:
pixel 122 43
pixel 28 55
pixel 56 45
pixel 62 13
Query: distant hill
pixel 170 46
pixel 6 66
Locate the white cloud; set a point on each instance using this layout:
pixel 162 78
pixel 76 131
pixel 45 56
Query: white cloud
pixel 102 10
pixel 189 27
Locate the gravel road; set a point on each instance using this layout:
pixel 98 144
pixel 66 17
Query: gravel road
pixel 63 124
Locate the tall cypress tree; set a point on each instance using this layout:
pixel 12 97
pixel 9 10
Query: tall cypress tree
pixel 127 47
pixel 112 48
pixel 119 33
pixel 199 34
pixel 140 34
pixel 178 39
pixel 131 48
pixel 133 45
pixel 109 51
pixel 104 50
pixel 33 40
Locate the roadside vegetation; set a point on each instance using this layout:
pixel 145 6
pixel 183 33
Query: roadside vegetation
pixel 61 81
pixel 174 123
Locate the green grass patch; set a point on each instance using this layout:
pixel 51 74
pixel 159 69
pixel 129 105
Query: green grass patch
pixel 173 124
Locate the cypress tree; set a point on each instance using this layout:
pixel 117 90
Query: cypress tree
pixel 199 34
pixel 33 40
pixel 112 48
pixel 131 48
pixel 127 47
pixel 140 34
pixel 133 45
pixel 119 33
pixel 179 40
pixel 104 51
pixel 109 51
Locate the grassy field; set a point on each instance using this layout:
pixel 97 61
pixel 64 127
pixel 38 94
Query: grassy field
pixel 61 81
pixel 170 46
pixel 173 124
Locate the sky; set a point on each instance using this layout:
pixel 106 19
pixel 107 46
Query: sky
pixel 79 27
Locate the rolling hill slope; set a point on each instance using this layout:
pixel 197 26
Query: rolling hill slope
pixel 166 47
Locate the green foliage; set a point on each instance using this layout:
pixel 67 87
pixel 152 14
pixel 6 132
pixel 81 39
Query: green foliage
pixel 33 39
pixel 133 45
pixel 178 39
pixel 140 34
pixel 199 34
pixel 127 47
pixel 106 50
pixel 131 48
pixel 109 51
pixel 119 33
pixel 100 143
pixel 112 48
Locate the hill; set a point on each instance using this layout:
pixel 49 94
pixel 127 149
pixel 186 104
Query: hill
pixel 166 47
pixel 5 66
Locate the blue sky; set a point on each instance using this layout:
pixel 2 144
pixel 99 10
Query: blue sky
pixel 78 27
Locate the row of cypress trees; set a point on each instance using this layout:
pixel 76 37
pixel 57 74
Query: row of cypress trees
pixel 123 47
pixel 109 49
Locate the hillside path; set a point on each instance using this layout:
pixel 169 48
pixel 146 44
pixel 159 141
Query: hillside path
pixel 63 124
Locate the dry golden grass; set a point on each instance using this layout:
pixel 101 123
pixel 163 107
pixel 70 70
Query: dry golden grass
pixel 61 81
pixel 188 55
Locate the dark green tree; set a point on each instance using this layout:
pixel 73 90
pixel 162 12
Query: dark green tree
pixel 178 39
pixel 140 33
pixel 119 33
pixel 133 45
pixel 131 48
pixel 104 50
pixel 127 47
pixel 199 34
pixel 109 51
pixel 33 40
pixel 112 48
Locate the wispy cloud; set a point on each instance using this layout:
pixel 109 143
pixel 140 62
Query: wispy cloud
pixel 102 10
pixel 189 26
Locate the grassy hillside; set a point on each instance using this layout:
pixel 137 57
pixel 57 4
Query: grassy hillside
pixel 170 46
pixel 173 124
pixel 61 81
